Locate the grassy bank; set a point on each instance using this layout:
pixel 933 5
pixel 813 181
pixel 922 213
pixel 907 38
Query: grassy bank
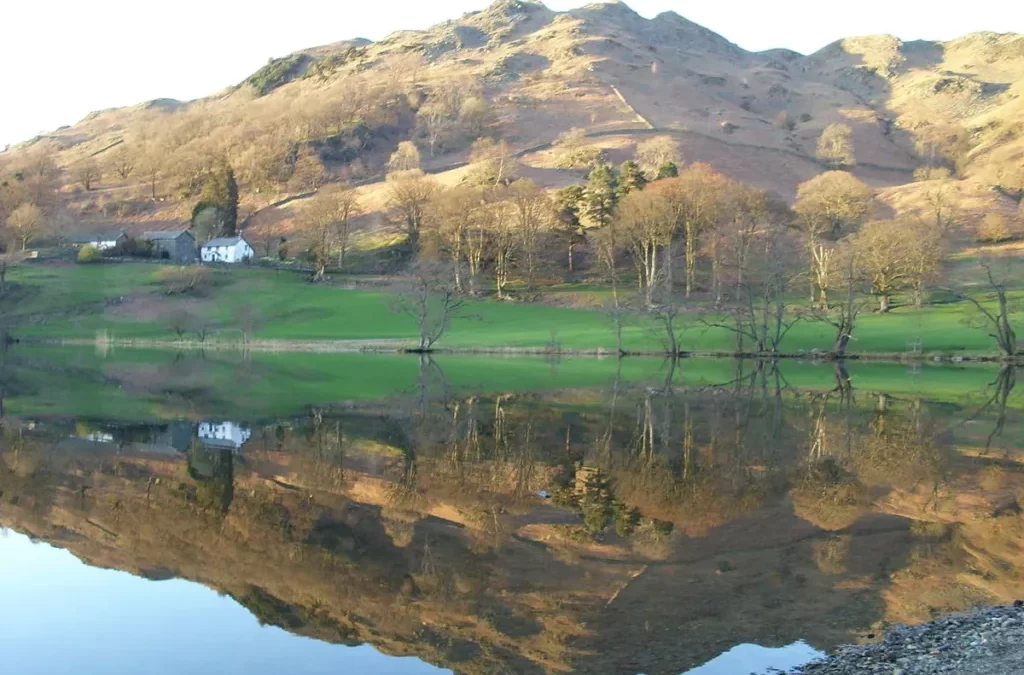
pixel 124 302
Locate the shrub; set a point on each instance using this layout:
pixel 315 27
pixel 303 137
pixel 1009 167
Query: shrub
pixel 131 248
pixel 89 254
pixel 931 173
pixel 994 228
pixel 180 280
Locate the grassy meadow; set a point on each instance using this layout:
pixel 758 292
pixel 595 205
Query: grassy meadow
pixel 124 301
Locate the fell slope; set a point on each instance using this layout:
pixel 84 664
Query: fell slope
pixel 603 68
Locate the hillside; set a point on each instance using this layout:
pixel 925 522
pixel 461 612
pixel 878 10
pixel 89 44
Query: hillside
pixel 522 72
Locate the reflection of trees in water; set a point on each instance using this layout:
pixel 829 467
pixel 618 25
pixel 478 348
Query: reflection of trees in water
pixel 213 470
pixel 326 444
pixel 1001 389
pixel 25 472
pixel 693 458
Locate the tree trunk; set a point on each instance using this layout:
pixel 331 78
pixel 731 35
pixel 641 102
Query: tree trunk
pixel 841 343
pixel 691 256
pixel 883 303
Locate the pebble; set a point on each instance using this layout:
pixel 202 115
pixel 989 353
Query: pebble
pixel 971 644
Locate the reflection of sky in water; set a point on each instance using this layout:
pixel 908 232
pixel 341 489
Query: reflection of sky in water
pixel 60 616
pixel 756 660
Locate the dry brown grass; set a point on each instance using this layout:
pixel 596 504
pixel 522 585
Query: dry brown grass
pixel 546 72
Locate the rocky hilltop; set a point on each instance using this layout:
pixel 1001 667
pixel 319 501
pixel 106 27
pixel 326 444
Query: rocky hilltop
pixel 526 74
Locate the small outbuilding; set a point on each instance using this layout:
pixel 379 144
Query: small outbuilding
pixel 227 250
pixel 101 240
pixel 176 245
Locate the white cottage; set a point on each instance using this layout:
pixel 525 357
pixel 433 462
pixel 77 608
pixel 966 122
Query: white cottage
pixel 227 250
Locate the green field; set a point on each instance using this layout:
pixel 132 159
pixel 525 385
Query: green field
pixel 122 300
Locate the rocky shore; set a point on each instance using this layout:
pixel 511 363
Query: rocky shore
pixel 986 642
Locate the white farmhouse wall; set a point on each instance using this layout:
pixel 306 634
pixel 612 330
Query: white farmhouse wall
pixel 227 254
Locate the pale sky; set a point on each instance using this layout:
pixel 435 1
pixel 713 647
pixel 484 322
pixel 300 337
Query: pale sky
pixel 62 59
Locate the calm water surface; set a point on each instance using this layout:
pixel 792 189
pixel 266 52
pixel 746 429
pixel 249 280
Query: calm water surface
pixel 173 514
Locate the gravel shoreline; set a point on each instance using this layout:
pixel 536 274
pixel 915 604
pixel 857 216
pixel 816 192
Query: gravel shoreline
pixel 986 642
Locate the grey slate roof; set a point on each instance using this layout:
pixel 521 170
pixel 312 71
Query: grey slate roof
pixel 164 235
pixel 223 241
pixel 89 237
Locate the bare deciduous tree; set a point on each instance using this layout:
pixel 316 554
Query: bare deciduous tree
pixel 348 209
pixel 696 199
pixel 410 192
pixel 760 317
pixel 532 210
pixel 999 321
pixel 25 223
pixel 182 280
pixel 835 146
pixel 151 167
pixel 645 220
pixel 883 251
pixel 942 201
pixel 656 152
pixel 87 172
pixel 451 217
pixel 179 320
pixel 121 161
pixel 573 150
pixel 925 252
pixel 405 158
pixel 504 242
pixel 248 319
pixel 493 163
pixel 475 116
pixel 429 296
pixel 828 206
pixel 843 314
pixel 994 228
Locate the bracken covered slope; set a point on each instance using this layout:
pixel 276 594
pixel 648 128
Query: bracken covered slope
pixel 603 68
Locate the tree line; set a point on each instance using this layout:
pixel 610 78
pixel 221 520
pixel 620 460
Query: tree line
pixel 668 237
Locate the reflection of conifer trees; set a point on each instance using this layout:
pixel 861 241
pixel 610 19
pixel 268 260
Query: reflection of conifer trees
pixel 213 471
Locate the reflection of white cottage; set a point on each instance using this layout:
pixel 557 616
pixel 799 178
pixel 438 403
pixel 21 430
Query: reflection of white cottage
pixel 224 434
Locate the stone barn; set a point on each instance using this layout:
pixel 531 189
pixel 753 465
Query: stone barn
pixel 176 245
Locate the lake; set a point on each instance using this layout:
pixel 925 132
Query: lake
pixel 305 513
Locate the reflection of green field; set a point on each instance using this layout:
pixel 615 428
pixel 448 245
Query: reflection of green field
pixel 139 384
pixel 68 301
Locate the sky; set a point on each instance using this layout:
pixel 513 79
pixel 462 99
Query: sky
pixel 65 58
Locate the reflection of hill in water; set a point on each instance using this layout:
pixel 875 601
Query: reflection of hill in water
pixel 414 526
